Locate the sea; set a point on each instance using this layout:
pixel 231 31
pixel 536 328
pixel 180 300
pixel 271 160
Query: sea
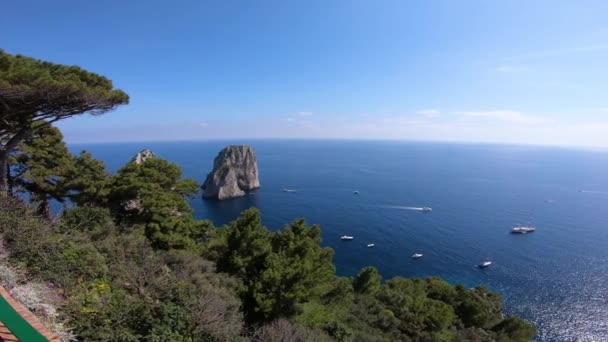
pixel 556 277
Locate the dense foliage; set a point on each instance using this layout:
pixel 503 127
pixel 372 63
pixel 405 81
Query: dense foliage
pixel 133 265
pixel 151 195
pixel 279 270
pixel 41 164
pixel 117 287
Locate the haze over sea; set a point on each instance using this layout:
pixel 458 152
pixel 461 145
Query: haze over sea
pixel 556 277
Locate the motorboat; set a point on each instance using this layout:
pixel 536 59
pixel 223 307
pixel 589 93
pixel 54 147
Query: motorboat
pixel 370 245
pixel 346 237
pixel 426 209
pixel 417 256
pixel 522 230
pixel 484 264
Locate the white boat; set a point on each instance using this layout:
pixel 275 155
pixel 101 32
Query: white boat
pixel 522 230
pixel 289 190
pixel 369 245
pixel 484 264
pixel 417 255
pixel 426 209
pixel 346 237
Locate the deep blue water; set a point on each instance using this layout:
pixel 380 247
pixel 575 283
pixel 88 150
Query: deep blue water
pixel 556 277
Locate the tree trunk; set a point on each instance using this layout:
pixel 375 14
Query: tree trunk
pixel 9 179
pixel 5 150
pixel 44 209
pixel 4 167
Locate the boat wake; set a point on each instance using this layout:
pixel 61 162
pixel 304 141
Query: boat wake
pixel 400 207
pixel 594 192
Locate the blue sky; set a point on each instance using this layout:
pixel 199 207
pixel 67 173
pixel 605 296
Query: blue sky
pixel 498 71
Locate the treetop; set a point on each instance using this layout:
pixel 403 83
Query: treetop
pixel 32 90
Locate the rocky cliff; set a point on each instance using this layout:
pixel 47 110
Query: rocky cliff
pixel 235 171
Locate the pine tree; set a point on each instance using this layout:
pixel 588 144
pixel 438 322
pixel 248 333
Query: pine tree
pixel 33 92
pixel 280 270
pixel 153 194
pixel 41 164
pixel 89 182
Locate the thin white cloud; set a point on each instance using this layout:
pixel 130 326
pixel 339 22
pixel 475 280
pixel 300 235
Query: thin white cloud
pixel 301 122
pixel 429 112
pixel 203 124
pixel 306 113
pixel 402 121
pixel 506 116
pixel 473 127
pixel 506 68
pixel 605 110
pixel 557 52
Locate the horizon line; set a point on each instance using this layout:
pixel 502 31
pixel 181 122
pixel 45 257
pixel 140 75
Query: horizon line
pixel 420 141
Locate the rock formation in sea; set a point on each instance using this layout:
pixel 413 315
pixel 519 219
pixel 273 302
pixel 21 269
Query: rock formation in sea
pixel 235 171
pixel 143 156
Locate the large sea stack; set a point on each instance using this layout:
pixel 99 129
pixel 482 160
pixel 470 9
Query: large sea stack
pixel 235 171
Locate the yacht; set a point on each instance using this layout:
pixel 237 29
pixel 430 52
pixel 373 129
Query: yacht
pixel 427 209
pixel 522 230
pixel 369 245
pixel 417 255
pixel 484 264
pixel 346 237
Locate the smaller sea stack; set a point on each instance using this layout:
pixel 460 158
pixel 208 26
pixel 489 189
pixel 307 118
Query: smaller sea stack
pixel 235 171
pixel 142 156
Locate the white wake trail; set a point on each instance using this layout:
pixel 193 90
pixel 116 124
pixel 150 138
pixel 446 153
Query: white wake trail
pixel 594 192
pixel 400 207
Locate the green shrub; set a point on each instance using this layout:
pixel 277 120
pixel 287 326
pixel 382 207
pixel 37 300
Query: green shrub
pixel 94 220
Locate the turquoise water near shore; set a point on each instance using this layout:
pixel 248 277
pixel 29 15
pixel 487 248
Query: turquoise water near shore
pixel 556 277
